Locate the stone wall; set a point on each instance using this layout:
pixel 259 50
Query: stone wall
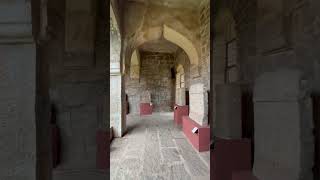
pixel 205 42
pixel 18 90
pixel 275 37
pixel 155 76
pixel 181 58
pixel 78 83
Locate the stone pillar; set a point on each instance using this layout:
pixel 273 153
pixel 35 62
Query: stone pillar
pixel 228 111
pixel 117 121
pixel 17 92
pixel 198 104
pixel 181 96
pixel 283 127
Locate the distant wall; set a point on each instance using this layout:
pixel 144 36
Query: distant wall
pixel 155 76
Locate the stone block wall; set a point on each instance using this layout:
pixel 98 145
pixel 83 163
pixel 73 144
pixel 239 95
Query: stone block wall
pixel 279 36
pixel 205 42
pixel 78 86
pixel 155 77
pixel 18 93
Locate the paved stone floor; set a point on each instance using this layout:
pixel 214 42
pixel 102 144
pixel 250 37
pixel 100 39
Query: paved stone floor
pixel 154 148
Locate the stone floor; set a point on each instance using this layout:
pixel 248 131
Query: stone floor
pixel 154 148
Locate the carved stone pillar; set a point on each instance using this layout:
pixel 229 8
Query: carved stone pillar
pixel 17 92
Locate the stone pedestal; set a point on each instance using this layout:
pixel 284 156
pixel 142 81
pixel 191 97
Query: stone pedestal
pixel 179 112
pixel 200 139
pixel 228 111
pixel 145 109
pixel 230 157
pixel 283 127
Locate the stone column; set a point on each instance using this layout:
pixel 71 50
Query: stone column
pixel 283 127
pixel 17 92
pixel 228 111
pixel 117 120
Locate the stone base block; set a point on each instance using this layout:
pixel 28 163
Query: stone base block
pixel 231 156
pixel 179 112
pixel 102 150
pixel 145 109
pixel 200 139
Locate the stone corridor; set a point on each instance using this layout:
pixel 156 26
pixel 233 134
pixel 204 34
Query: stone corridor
pixel 154 148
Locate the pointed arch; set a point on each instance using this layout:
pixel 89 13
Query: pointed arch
pixel 181 41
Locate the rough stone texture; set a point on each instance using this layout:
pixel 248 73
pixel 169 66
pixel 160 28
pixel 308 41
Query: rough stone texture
pixel 182 61
pixel 205 42
pixel 198 108
pixel 80 26
pixel 78 90
pixel 117 110
pixel 155 78
pixel 272 35
pixel 283 108
pixel 148 23
pixel 116 119
pixel 17 112
pixel 228 122
pixel 18 66
pixel 143 153
pixel 147 19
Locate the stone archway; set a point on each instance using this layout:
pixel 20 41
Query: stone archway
pixel 181 41
pixel 173 36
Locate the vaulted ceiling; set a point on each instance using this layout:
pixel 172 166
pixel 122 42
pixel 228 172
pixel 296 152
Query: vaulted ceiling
pixel 162 46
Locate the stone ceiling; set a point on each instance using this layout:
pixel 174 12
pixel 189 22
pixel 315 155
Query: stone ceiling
pixel 188 4
pixel 162 46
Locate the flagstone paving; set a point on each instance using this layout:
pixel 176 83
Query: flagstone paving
pixel 155 149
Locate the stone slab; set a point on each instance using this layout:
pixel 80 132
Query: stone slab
pixel 192 160
pixel 170 155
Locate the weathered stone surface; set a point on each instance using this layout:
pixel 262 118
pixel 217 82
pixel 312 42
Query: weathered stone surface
pixel 191 158
pixel 205 156
pixel 155 78
pixel 228 114
pixel 198 104
pixel 166 139
pixel 117 121
pixel 17 111
pixel 170 154
pixel 179 172
pixel 286 153
pixel 282 85
pixel 155 162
